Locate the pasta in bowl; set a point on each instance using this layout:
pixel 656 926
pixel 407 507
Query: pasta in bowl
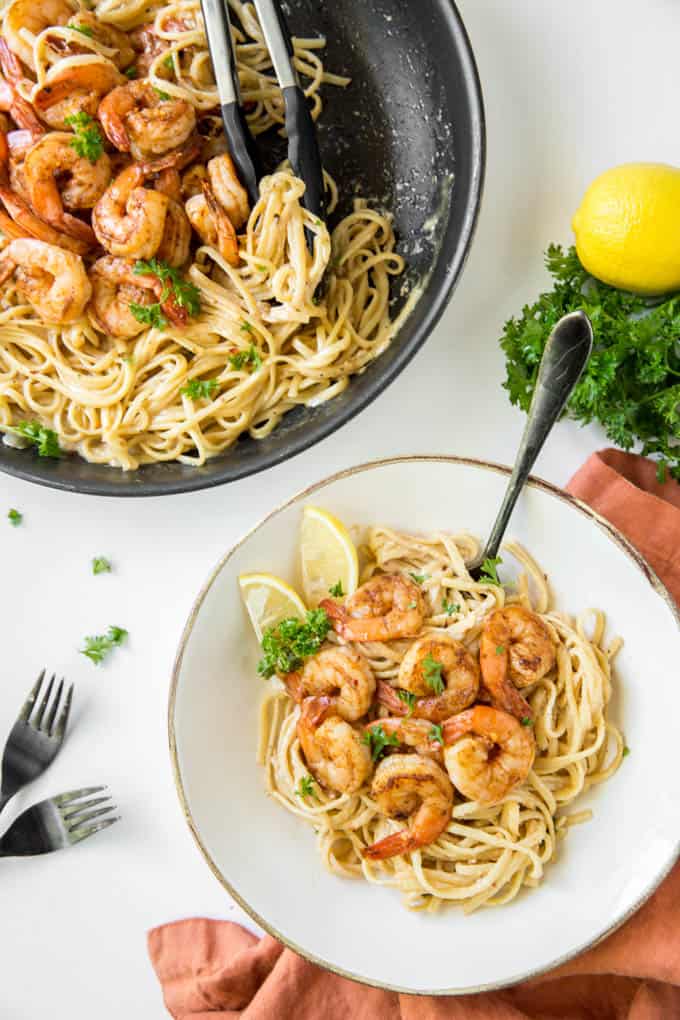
pixel 520 863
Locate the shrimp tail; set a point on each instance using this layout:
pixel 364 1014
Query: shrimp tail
pixel 335 610
pixel 388 697
pixel 510 700
pixel 396 843
pixel 315 710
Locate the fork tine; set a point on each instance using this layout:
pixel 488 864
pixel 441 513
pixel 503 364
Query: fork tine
pixel 66 798
pixel 63 718
pixel 31 699
pixel 37 722
pixel 77 835
pixel 54 709
pixel 80 821
pixel 71 812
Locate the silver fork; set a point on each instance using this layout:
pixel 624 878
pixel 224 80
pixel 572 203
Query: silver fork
pixel 35 738
pixel 57 823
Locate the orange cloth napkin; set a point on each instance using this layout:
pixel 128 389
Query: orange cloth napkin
pixel 217 969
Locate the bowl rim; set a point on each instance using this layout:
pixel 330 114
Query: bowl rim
pixel 534 482
pixel 27 468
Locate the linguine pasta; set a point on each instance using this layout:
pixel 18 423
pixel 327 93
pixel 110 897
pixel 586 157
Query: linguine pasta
pixel 487 854
pixel 265 338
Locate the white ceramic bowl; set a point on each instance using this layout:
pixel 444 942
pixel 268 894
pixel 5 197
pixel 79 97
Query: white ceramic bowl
pixel 266 858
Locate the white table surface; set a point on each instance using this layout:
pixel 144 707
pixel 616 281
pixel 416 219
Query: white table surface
pixel 570 89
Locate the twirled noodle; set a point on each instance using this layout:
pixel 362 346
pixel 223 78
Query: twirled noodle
pixel 487 854
pixel 121 402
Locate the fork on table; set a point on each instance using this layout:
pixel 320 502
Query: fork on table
pixel 31 747
pixel 35 738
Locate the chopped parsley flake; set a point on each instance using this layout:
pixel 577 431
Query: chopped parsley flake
pixel 98 646
pixel 250 359
pixel 408 699
pixel 306 788
pixel 378 741
pixel 44 439
pixel 87 139
pixel 432 674
pixel 199 389
pixel 336 590
pixel 450 607
pixel 419 578
pixel 436 735
pixel 625 752
pixel 186 294
pixel 15 518
pixel 130 72
pixel 527 721
pixel 100 565
pixel 489 571
pixel 84 29
pixel 163 96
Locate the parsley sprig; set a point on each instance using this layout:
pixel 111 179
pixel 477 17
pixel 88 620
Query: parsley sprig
pixel 87 139
pixel 44 439
pixel 408 699
pixel 98 646
pixel 489 572
pixel 631 384
pixel 378 741
pixel 432 674
pixel 290 642
pixel 186 294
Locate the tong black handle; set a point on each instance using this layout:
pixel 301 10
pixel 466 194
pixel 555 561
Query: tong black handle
pixel 242 148
pixel 303 149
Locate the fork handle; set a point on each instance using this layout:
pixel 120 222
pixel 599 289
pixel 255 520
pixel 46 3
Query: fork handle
pixel 4 798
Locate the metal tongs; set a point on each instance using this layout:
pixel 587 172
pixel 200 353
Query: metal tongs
pixel 303 149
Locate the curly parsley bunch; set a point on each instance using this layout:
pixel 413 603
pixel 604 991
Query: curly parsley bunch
pixel 632 382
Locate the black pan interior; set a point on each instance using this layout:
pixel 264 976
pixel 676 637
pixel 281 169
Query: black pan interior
pixel 407 133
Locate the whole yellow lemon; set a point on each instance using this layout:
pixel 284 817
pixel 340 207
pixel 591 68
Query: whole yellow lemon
pixel 628 228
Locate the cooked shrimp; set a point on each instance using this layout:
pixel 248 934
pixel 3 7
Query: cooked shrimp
pixel 53 281
pixel 408 785
pixel 175 245
pixel 192 180
pixel 386 607
pixel 340 673
pixel 176 241
pixel 11 101
pixel 56 177
pixel 25 19
pixel 487 753
pixel 333 750
pixel 27 223
pixel 212 224
pixel 76 88
pixel 228 189
pixel 515 650
pixel 434 662
pixel 129 219
pixel 417 734
pixel 115 286
pixel 137 120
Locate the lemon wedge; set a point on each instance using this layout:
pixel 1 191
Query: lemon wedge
pixel 328 556
pixel 269 600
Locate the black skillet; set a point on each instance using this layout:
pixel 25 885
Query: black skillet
pixel 409 132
